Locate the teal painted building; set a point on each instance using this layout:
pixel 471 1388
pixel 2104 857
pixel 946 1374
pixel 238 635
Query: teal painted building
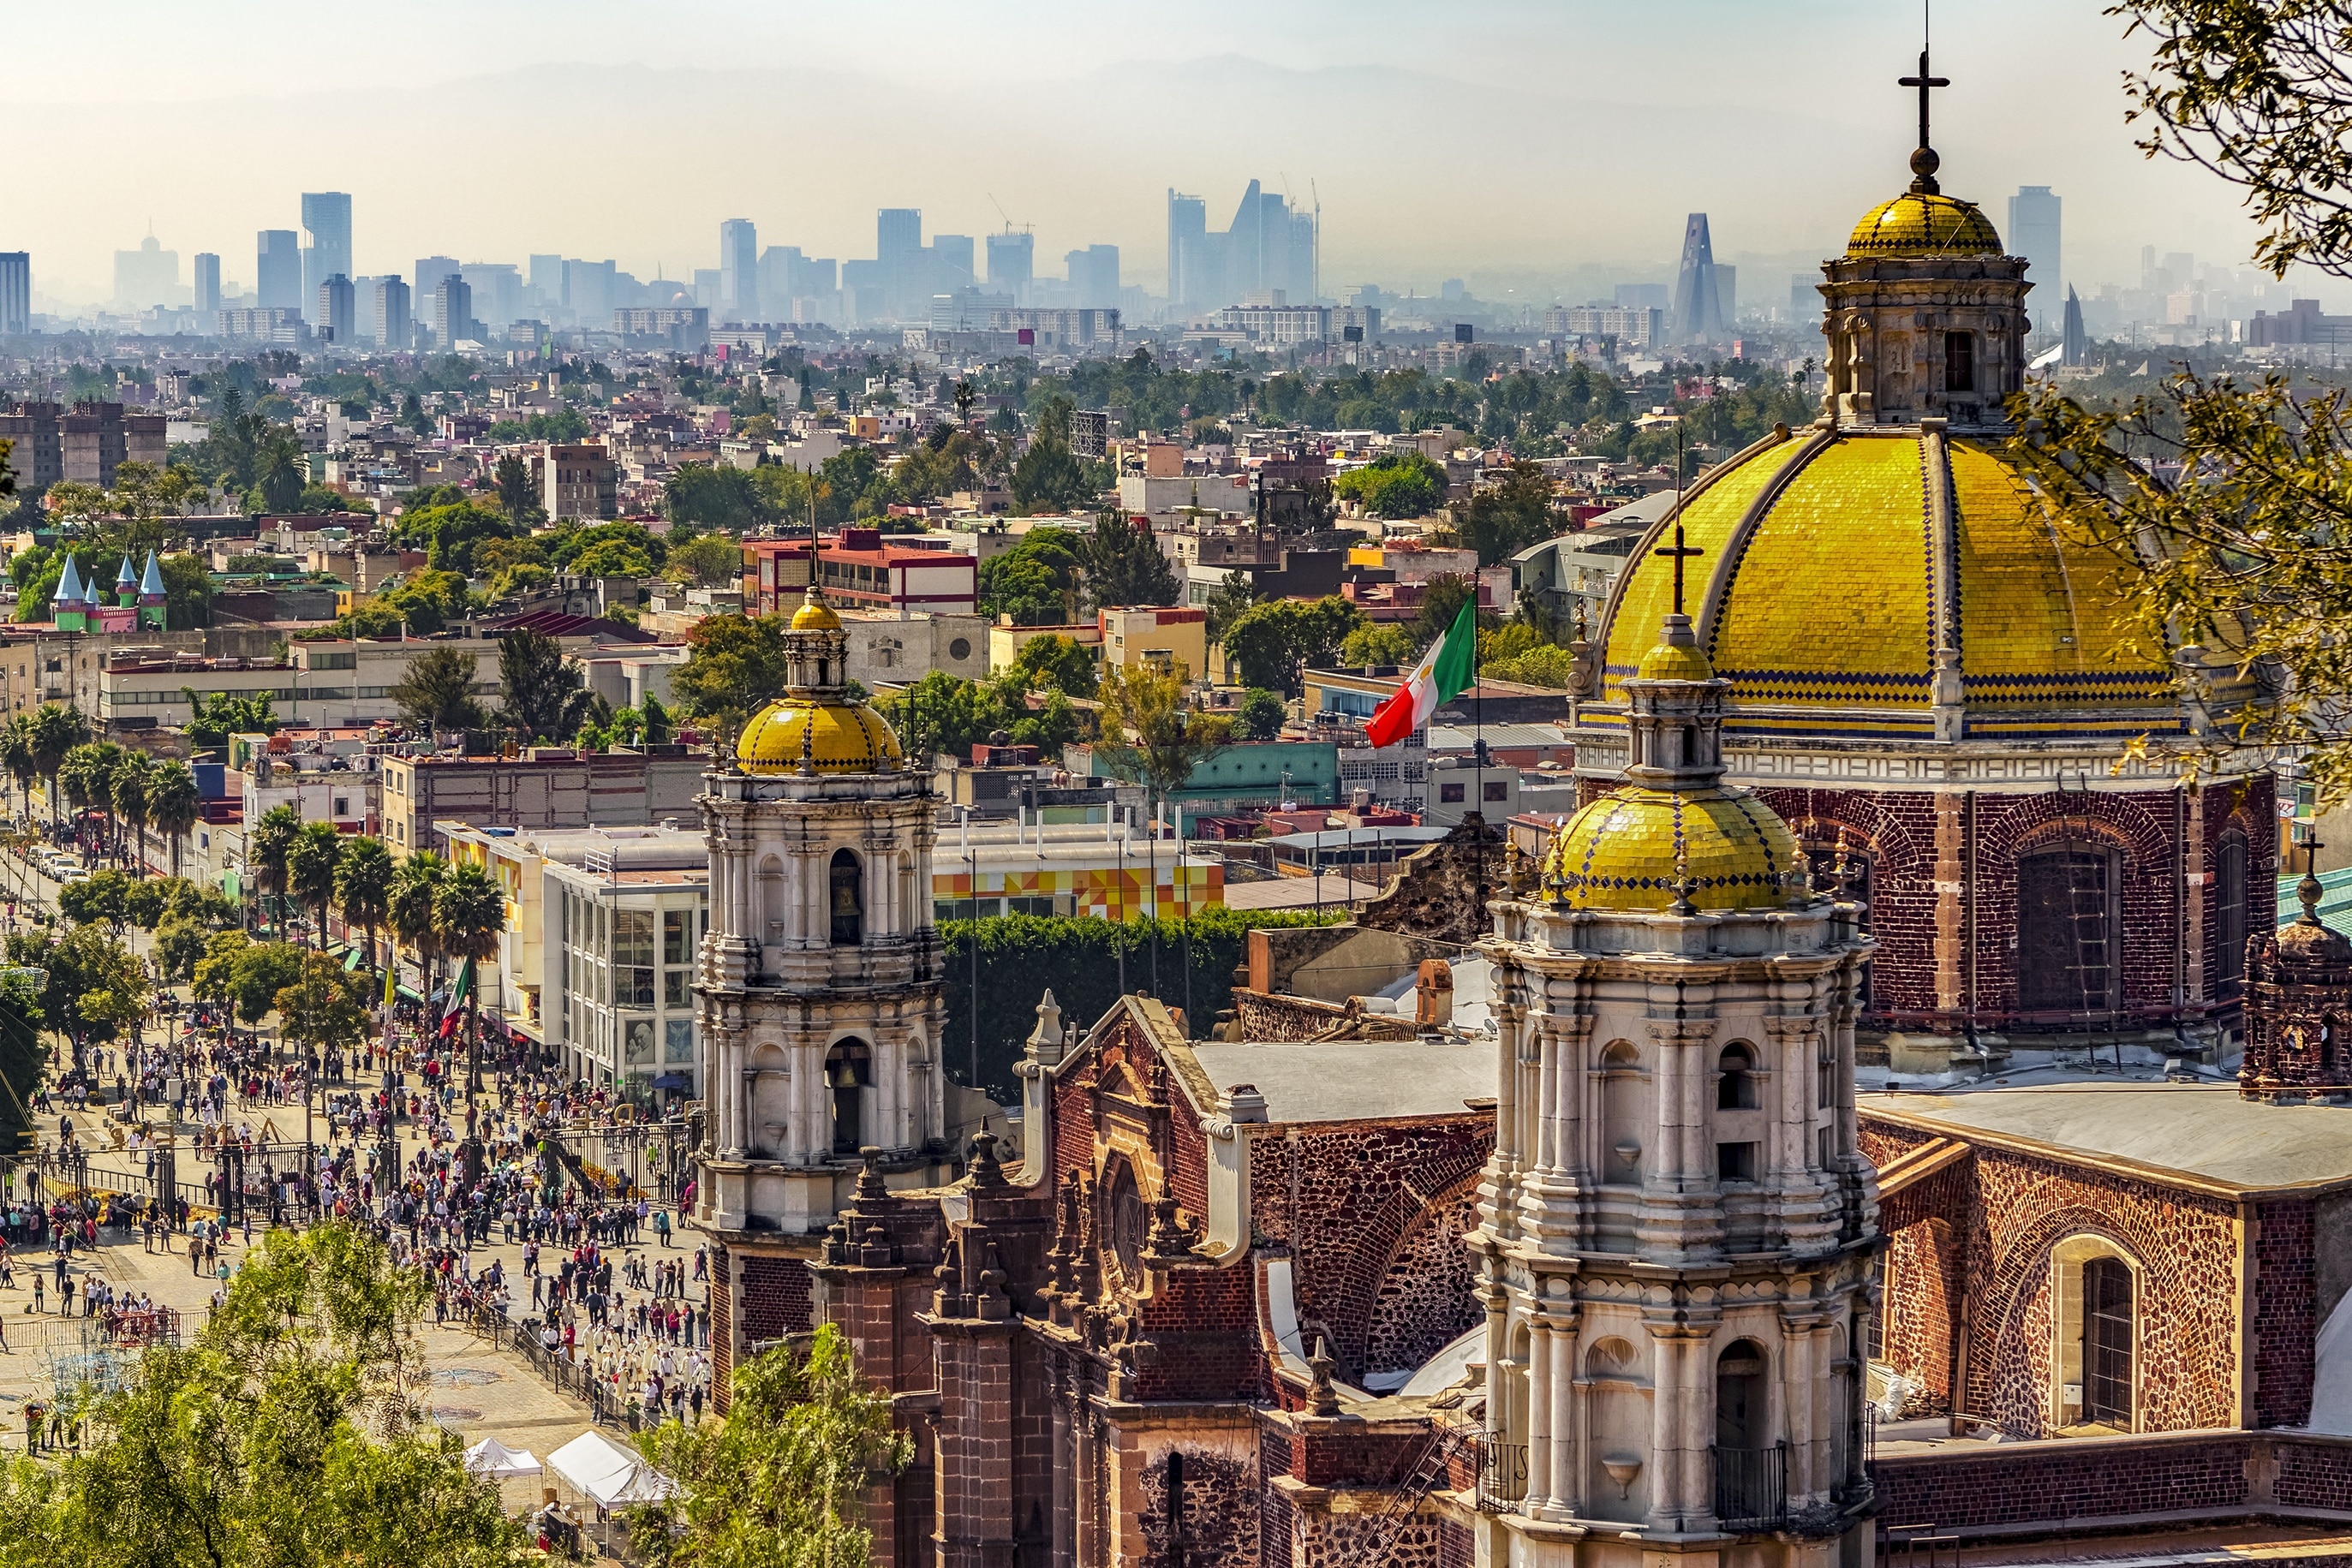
pixel 1249 774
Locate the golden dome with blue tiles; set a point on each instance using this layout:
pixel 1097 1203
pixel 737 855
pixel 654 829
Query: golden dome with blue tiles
pixel 827 735
pixel 1849 582
pixel 1634 848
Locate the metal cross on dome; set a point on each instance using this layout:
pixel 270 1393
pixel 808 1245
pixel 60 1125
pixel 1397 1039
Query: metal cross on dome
pixel 1680 552
pixel 1924 82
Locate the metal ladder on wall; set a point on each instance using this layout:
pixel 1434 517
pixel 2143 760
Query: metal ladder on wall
pixel 2091 900
pixel 1429 1466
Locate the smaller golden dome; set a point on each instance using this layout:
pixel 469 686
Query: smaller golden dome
pixel 1923 223
pixel 1628 850
pixel 833 736
pixel 1675 662
pixel 815 615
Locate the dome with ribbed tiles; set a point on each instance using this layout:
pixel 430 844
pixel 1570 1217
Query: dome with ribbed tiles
pixel 1831 588
pixel 1924 223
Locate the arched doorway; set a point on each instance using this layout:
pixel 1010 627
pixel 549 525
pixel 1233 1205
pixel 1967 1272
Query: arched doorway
pixel 848 1073
pixel 1748 1481
pixel 2069 913
pixel 847 902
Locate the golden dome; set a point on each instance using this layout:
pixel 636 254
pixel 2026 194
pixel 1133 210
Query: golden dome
pixel 833 734
pixel 815 615
pixel 1827 620
pixel 1675 662
pixel 1923 223
pixel 1628 850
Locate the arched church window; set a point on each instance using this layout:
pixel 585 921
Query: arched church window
pixel 848 1071
pixel 1959 361
pixel 2108 1342
pixel 848 900
pixel 2068 917
pixel 1734 1088
pixel 2230 913
pixel 1128 1222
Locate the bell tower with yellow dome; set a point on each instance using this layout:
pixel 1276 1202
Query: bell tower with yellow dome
pixel 1676 1225
pixel 819 983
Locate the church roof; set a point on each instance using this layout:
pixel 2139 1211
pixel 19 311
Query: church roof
pixel 1824 605
pixel 2192 1134
pixel 833 736
pixel 1629 849
pixel 1924 223
pixel 1354 1079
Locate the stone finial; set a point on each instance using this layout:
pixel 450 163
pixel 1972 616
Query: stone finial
pixel 1047 1040
pixel 986 1172
pixel 1322 1399
pixel 1169 1238
pixel 871 1187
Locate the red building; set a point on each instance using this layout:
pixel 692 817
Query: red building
pixel 860 569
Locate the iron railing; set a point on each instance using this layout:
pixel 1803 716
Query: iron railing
pixel 1751 1486
pixel 1502 1475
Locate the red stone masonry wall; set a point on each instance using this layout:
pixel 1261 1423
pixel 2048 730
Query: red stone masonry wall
pixel 1203 1322
pixel 1899 832
pixel 775 1297
pixel 2286 1313
pixel 1374 1238
pixel 2062 1481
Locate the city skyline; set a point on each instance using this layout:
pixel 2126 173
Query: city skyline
pixel 1782 147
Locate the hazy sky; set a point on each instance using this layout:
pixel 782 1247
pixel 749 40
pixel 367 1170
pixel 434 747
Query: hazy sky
pixel 1508 141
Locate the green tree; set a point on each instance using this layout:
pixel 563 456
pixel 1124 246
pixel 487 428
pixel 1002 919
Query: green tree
pixel 88 775
pixel 655 722
pixel 1062 663
pixel 1504 518
pixel 269 844
pixel 780 1482
pixel 179 945
pixel 517 494
pixel 278 474
pixel 1442 599
pixel 716 499
pixel 1271 644
pixel 1260 716
pixel 546 697
pixel 734 664
pixel 363 887
pixel 1121 563
pixel 416 886
pixel 174 804
pixel 1379 644
pixel 187 593
pixel 126 790
pixel 469 914
pixel 21 1060
pixel 55 731
pixel 436 693
pixel 16 756
pixel 1400 484
pixel 97 899
pixel 449 534
pixel 258 971
pixel 1033 581
pixel 713 560
pixel 311 863
pixel 1232 597
pixel 1047 478
pixel 612 557
pixel 1159 738
pixel 324 1008
pixel 292 1430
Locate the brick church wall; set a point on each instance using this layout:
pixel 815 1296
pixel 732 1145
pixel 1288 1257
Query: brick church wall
pixel 2286 1313
pixel 1220 1504
pixel 1978 1488
pixel 775 1298
pixel 1376 1209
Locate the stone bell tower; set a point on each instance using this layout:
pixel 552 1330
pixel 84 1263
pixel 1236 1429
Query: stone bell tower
pixel 1676 1227
pixel 819 983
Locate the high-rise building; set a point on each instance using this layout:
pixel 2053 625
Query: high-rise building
pixel 547 280
pixel 206 279
pixel 328 215
pixel 498 291
pixel 1094 276
pixel 453 313
pixel 2033 233
pixel 2076 347
pixel 429 272
pixel 277 270
pixel 898 250
pixel 148 276
pixel 1804 297
pixel 1188 251
pixel 588 290
pixel 739 271
pixel 951 262
pixel 16 293
pixel 1012 264
pixel 338 306
pixel 1270 248
pixel 394 331
pixel 1697 318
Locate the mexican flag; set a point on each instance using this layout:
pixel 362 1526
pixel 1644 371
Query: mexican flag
pixel 1446 672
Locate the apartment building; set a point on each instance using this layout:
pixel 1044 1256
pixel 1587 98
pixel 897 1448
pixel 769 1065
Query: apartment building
pixel 547 786
pixel 578 481
pixel 860 569
pixel 87 442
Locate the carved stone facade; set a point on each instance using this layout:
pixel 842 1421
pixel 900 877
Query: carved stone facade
pixel 2298 1008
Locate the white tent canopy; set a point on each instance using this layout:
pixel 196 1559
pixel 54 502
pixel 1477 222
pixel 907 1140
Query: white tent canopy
pixel 606 1473
pixel 493 1459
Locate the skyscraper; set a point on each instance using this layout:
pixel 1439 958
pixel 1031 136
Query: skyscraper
pixel 1188 251
pixel 739 271
pixel 1697 316
pixel 148 276
pixel 328 215
pixel 453 312
pixel 950 262
pixel 395 332
pixel 2075 345
pixel 1012 264
pixel 1094 276
pixel 547 280
pixel 277 270
pixel 2034 235
pixel 898 251
pixel 16 293
pixel 207 289
pixel 430 270
pixel 338 306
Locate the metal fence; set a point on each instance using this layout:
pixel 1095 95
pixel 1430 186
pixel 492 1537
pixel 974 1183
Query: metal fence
pixel 1751 1486
pixel 1502 1475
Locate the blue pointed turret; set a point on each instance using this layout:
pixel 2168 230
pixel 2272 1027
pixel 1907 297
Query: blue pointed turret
pixel 68 585
pixel 126 584
pixel 150 582
pixel 68 608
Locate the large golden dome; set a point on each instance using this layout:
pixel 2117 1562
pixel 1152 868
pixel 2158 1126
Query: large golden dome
pixel 833 735
pixel 1924 223
pixel 1629 849
pixel 1819 596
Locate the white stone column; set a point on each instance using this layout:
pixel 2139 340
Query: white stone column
pixel 1548 1150
pixel 1540 1405
pixel 1507 1090
pixel 1572 1048
pixel 1666 1413
pixel 1562 1489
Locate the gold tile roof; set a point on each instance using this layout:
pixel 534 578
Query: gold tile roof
pixel 1923 223
pixel 831 735
pixel 1825 612
pixel 1629 849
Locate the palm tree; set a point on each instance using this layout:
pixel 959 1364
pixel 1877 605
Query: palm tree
pixel 469 911
pixel 310 864
pixel 87 775
pixel 409 908
pixel 363 888
pixel 16 756
pixel 54 732
pixel 267 846
pixel 173 803
pixel 127 792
